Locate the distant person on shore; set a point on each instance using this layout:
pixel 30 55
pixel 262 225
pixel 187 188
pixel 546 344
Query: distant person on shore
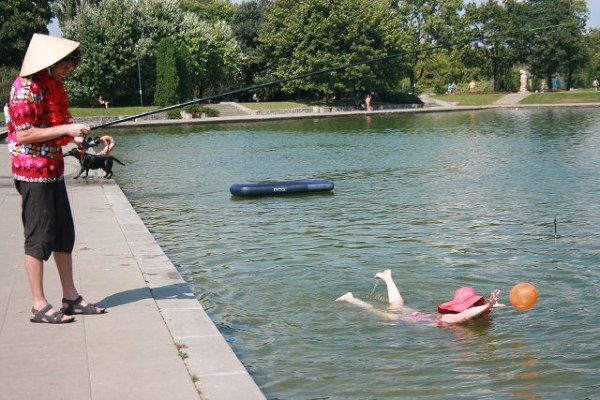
pixel 466 305
pixel 451 88
pixel 6 114
pixel 472 86
pixel 596 84
pixel 368 102
pixel 102 102
pixel 41 125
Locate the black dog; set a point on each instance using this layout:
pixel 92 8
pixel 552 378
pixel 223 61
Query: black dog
pixel 92 161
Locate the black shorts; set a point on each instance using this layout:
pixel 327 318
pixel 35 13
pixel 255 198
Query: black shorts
pixel 47 219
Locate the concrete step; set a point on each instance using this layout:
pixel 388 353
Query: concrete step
pixel 227 109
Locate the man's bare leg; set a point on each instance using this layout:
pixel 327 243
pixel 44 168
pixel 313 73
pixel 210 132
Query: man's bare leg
pixel 64 264
pixel 34 268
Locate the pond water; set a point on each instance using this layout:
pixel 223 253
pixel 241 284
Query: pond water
pixel 443 200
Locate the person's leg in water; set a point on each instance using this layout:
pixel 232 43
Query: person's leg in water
pixel 349 298
pixel 394 298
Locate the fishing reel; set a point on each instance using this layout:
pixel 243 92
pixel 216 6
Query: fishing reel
pixel 90 142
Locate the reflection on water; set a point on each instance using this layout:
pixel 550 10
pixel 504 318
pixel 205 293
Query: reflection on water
pixel 444 200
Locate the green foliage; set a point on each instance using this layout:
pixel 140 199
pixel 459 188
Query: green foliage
pixel 66 10
pixel 197 108
pixel 215 55
pixel 210 10
pixel 7 76
pixel 300 37
pixel 560 49
pixel 167 77
pixel 503 28
pixel 394 96
pixel 219 45
pixel 426 24
pixel 592 71
pixel 247 20
pixel 19 20
pixel 184 65
pixel 174 114
pixel 114 35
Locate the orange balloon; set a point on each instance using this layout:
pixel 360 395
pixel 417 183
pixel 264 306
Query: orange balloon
pixel 523 296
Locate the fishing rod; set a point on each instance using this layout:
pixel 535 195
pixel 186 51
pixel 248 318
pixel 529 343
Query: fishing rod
pixel 303 76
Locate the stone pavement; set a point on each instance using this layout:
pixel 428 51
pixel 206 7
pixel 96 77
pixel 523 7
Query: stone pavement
pixel 155 343
pixel 511 99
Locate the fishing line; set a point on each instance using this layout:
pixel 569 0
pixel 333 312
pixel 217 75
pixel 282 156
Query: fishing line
pixel 307 75
pixel 375 286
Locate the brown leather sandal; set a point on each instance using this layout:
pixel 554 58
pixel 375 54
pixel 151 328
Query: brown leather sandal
pixel 54 318
pixel 75 307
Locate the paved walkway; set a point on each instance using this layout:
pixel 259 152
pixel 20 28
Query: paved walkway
pixel 511 99
pixel 155 343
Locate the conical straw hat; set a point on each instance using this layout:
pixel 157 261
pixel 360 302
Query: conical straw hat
pixel 44 51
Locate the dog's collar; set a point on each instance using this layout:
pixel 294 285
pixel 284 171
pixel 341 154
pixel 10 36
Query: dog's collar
pixel 80 153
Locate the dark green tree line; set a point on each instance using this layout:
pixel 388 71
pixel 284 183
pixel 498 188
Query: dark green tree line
pixel 19 20
pixel 228 45
pixel 299 37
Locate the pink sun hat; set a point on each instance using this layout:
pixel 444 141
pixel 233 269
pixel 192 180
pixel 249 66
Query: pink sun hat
pixel 464 297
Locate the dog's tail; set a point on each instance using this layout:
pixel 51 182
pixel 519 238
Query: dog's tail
pixel 117 160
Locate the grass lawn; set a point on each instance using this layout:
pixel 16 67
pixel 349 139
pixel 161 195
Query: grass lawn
pixel 574 96
pixel 482 99
pixel 108 112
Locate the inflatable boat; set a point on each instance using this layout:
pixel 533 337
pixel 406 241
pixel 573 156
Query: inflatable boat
pixel 281 187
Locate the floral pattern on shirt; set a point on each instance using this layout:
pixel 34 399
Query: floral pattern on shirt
pixel 29 107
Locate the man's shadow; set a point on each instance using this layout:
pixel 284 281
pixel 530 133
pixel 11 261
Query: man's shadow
pixel 181 291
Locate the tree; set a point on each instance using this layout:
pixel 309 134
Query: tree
pixel 593 48
pixel 7 76
pixel 502 30
pixel 210 10
pixel 299 37
pixel 66 10
pixel 562 48
pixel 167 77
pixel 214 53
pixel 428 23
pixel 246 23
pixel 114 34
pixel 19 20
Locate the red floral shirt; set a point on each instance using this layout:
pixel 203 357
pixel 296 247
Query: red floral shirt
pixel 38 101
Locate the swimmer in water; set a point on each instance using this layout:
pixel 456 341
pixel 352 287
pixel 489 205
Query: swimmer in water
pixel 109 143
pixel 466 305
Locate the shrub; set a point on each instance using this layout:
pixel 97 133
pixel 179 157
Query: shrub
pixel 174 114
pixel 197 108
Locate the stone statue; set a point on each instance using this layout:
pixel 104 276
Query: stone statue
pixel 523 88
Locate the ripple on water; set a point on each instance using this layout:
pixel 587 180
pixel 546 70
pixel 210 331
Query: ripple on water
pixel 443 200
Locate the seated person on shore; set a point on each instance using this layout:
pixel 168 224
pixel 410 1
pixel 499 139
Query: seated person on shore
pixel 102 102
pixel 466 305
